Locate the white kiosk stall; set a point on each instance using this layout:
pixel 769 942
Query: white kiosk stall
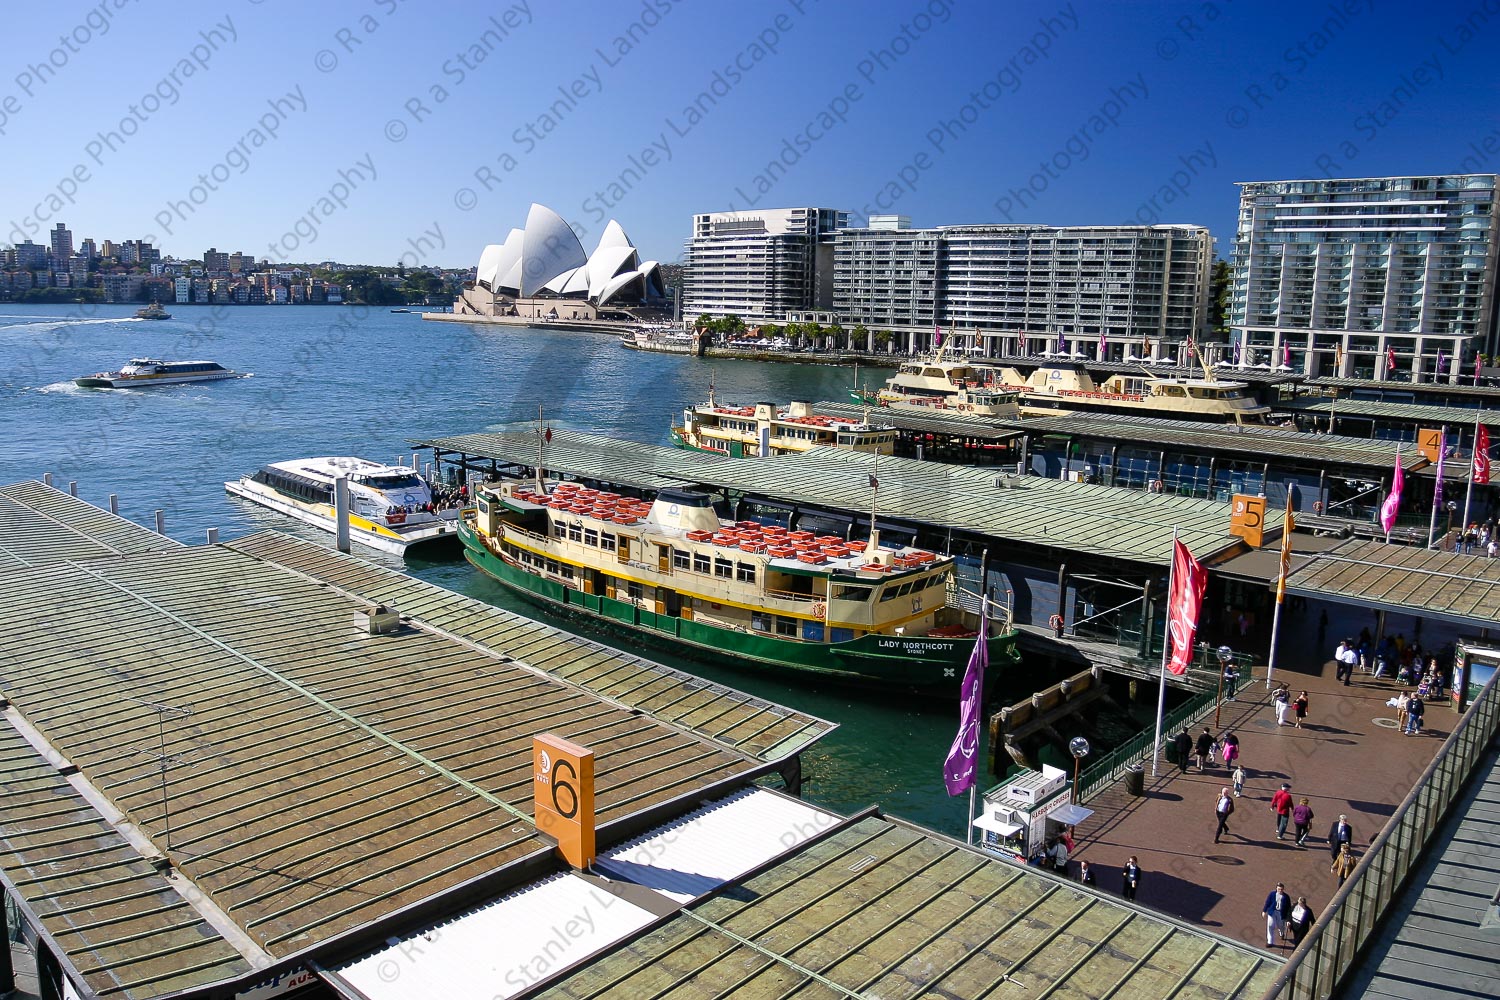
pixel 1021 814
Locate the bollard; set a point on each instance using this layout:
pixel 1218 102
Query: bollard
pixel 341 512
pixel 213 536
pixel 161 522
pixel 47 478
pixel 114 504
pixel 73 487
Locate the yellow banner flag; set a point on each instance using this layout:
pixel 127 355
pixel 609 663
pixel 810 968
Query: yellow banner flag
pixel 1289 524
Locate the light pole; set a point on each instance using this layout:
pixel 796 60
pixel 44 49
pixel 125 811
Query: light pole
pixel 1079 748
pixel 1450 507
pixel 1226 657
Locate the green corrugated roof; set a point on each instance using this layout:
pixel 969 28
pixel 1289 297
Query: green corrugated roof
pixel 1355 384
pixel 927 420
pixel 1406 412
pixel 40 525
pixel 1124 524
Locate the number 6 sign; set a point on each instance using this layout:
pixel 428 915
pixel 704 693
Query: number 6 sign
pixel 563 796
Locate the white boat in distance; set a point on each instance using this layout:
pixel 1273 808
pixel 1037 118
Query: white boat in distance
pixel 391 507
pixel 138 372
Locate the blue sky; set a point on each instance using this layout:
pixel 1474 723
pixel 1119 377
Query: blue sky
pixel 369 130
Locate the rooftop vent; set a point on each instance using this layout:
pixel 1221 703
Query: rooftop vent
pixel 379 620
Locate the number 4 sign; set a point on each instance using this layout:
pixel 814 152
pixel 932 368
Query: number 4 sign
pixel 563 796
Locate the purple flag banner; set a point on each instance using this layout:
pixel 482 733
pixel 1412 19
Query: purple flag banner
pixel 1437 491
pixel 963 757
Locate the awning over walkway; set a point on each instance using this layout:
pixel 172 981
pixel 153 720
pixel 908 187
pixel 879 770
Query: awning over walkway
pixel 1405 579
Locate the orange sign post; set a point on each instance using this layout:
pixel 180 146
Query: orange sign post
pixel 1248 519
pixel 1430 442
pixel 563 796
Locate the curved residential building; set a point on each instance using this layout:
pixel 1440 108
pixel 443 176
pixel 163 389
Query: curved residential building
pixel 543 263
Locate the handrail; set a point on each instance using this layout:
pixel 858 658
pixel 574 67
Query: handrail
pixel 1317 967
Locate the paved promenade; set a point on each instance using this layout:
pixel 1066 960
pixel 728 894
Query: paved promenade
pixel 1347 758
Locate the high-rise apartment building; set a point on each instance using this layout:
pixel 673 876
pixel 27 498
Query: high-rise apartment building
pixel 89 250
pixel 1016 290
pixel 29 256
pixel 62 244
pixel 1345 276
pixel 761 265
pixel 215 260
pixel 241 262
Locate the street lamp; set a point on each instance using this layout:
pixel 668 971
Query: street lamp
pixel 1226 657
pixel 1079 748
pixel 1451 506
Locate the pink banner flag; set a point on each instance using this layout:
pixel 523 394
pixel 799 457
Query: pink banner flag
pixel 1393 499
pixel 1481 470
pixel 1103 345
pixel 963 757
pixel 1184 604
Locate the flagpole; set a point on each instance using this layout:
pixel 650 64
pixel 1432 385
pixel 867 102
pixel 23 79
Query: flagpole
pixel 1437 489
pixel 1166 651
pixel 1286 528
pixel 1469 490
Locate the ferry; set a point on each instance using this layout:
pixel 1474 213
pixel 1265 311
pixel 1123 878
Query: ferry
pixel 1067 386
pixel 936 384
pixel 762 430
pixel 664 338
pixel 139 372
pixel 387 503
pixel 671 572
pixel 153 311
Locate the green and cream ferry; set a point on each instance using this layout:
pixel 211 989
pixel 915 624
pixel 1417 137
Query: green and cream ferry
pixel 762 430
pixel 672 572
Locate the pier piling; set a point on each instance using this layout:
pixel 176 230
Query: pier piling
pixel 114 504
pixel 213 536
pixel 341 511
pixel 73 487
pixel 161 522
pixel 47 478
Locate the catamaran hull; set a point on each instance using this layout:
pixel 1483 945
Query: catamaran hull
pixel 147 381
pixel 361 531
pixel 928 666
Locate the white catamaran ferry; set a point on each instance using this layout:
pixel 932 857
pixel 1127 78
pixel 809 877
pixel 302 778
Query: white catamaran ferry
pixel 762 430
pixel 390 506
pixel 139 372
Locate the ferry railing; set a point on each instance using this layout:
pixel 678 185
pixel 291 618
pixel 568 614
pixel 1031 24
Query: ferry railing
pixel 1338 935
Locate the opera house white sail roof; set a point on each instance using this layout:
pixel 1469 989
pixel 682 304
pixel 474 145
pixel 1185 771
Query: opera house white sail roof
pixel 546 259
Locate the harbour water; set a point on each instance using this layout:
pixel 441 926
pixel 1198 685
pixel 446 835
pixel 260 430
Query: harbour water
pixel 349 380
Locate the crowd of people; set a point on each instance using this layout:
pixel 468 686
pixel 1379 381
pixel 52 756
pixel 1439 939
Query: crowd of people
pixel 1479 539
pixel 1393 658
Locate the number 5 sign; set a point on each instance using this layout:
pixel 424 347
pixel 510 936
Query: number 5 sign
pixel 563 796
pixel 1248 519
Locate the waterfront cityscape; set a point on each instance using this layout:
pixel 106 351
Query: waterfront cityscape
pixel 763 501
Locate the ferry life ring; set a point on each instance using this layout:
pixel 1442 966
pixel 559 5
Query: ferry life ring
pixel 819 609
pixel 1317 506
pixel 1056 622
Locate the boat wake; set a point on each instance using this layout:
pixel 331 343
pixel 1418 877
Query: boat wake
pixel 45 324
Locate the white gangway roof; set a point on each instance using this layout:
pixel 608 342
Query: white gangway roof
pixel 507 946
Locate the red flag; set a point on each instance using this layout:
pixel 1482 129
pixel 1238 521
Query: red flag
pixel 1184 603
pixel 547 437
pixel 1482 455
pixel 1390 359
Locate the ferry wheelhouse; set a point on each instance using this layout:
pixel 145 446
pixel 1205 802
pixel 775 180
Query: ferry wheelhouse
pixel 943 385
pixel 151 372
pixel 672 572
pixel 390 506
pixel 762 430
pixel 1056 388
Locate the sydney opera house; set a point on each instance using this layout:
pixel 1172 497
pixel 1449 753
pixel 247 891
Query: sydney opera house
pixel 542 272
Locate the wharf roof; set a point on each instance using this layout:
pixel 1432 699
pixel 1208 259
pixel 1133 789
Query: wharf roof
pixel 1439 938
pixel 925 422
pixel 1482 392
pixel 1131 525
pixel 1372 409
pixel 40 525
pixel 1229 439
pixel 1429 584
pixel 879 907
pixel 328 782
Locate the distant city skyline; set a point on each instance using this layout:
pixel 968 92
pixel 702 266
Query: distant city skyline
pixel 385 132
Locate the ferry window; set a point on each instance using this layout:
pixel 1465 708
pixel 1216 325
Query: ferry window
pixel 851 593
pixel 682 559
pixel 744 572
pixel 760 621
pixel 559 529
pixel 551 565
pixel 723 567
pixel 575 532
pixel 786 627
pixel 700 563
pixel 607 541
pixel 591 537
pixel 634 591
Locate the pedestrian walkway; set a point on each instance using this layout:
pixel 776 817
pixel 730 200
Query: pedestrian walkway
pixel 1348 758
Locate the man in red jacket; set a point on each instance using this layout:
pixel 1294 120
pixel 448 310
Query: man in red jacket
pixel 1281 805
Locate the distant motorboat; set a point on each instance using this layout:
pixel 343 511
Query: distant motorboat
pixel 153 311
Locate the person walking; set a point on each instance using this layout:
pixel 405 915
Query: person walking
pixel 1282 699
pixel 1184 745
pixel 1085 873
pixel 1281 805
pixel 1301 920
pixel 1341 834
pixel 1343 865
pixel 1223 809
pixel 1302 817
pixel 1130 878
pixel 1277 909
pixel 1231 681
pixel 1414 710
pixel 1239 780
pixel 1300 704
pixel 1204 748
pixel 1231 750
